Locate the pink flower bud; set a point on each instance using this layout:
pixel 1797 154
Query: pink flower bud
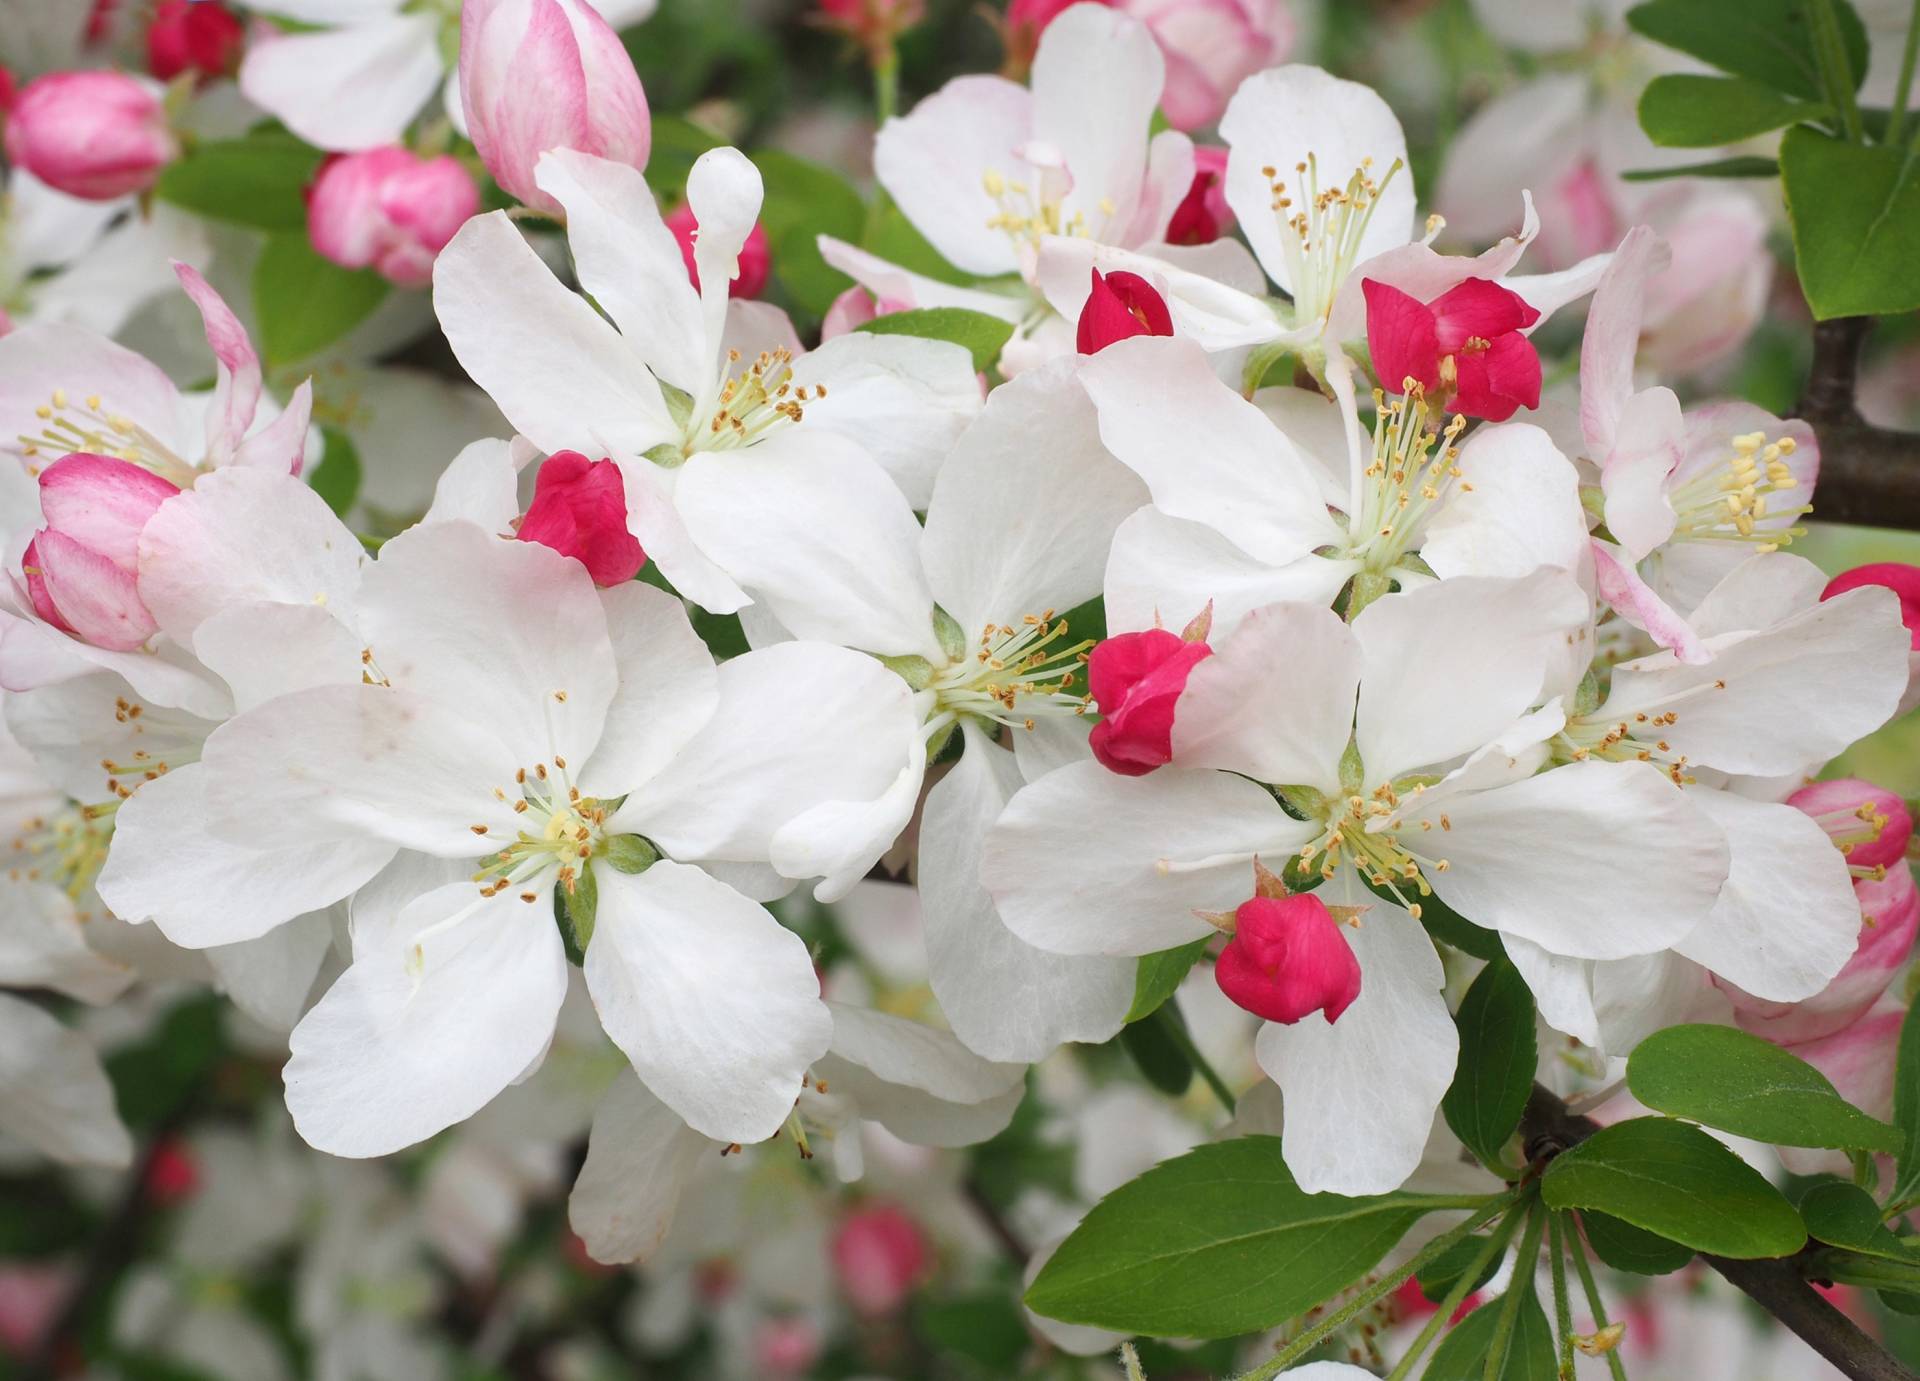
pixel 1288 959
pixel 787 1347
pixel 1869 824
pixel 1203 216
pixel 1211 46
pixel 880 1254
pixel 173 1175
pixel 547 74
pixel 93 135
pixel 1464 347
pixel 1890 911
pixel 390 211
pixel 1121 305
pixel 1136 679
pixel 756 256
pixel 80 569
pixel 1902 579
pixel 200 36
pixel 580 510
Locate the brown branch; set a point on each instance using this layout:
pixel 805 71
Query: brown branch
pixel 1776 1285
pixel 1869 476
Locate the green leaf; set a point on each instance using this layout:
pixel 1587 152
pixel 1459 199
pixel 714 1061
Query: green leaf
pixel 805 201
pixel 305 303
pixel 1689 111
pixel 1216 1242
pixel 1742 1084
pixel 337 477
pixel 1158 975
pixel 1906 1109
pixel 1770 41
pixel 1462 1354
pixel 1845 1215
pixel 1626 1248
pixel 1743 166
pixel 258 180
pixel 1448 926
pixel 1158 1055
pixel 1497 1060
pixel 1444 1271
pixel 1856 224
pixel 978 332
pixel 1674 1180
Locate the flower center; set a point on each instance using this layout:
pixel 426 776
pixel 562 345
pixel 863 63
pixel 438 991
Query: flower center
pixel 84 425
pixel 1366 831
pixel 1327 226
pixel 65 850
pixel 753 402
pixel 1632 736
pixel 561 831
pixel 1730 502
pixel 1012 676
pixel 1414 458
pixel 1031 210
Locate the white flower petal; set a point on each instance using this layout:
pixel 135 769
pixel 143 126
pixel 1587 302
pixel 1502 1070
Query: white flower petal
pixel 418 1035
pixel 640 1156
pixel 53 1093
pixel 1169 844
pixel 269 978
pixel 714 1002
pixel 934 161
pixel 1596 860
pixel 1004 998
pixel 44 945
pixel 1360 1093
pixel 667 688
pixel 1096 80
pixel 1275 701
pixel 355 87
pixel 1522 512
pixel 919 1083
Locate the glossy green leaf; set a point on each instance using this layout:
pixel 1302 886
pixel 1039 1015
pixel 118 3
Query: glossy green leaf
pixel 803 202
pixel 258 180
pixel 1497 1059
pixel 1906 1109
pixel 305 303
pixel 1628 1248
pixel 1216 1242
pixel 1159 975
pixel 1769 41
pixel 1462 1354
pixel 1690 111
pixel 1745 165
pixel 1674 1180
pixel 1845 1215
pixel 1726 1078
pixel 1856 224
pixel 1159 1057
pixel 981 334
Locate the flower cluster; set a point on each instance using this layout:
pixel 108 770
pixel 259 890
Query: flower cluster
pixel 1164 557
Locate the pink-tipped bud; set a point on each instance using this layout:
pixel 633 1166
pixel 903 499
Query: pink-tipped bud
pixel 880 1255
pixel 389 210
pixel 81 568
pixel 1288 959
pixel 547 74
pixel 93 135
pixel 1902 579
pixel 1869 824
pixel 1121 305
pixel 1204 215
pixel 580 510
pixel 1135 680
pixel 756 256
pixel 198 36
pixel 1465 348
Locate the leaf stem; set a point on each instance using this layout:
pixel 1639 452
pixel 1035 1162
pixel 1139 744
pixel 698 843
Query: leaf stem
pixel 1386 1285
pixel 1524 1264
pixel 1594 1302
pixel 1562 1308
pixel 1177 1032
pixel 1903 88
pixel 1456 1296
pixel 1830 50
